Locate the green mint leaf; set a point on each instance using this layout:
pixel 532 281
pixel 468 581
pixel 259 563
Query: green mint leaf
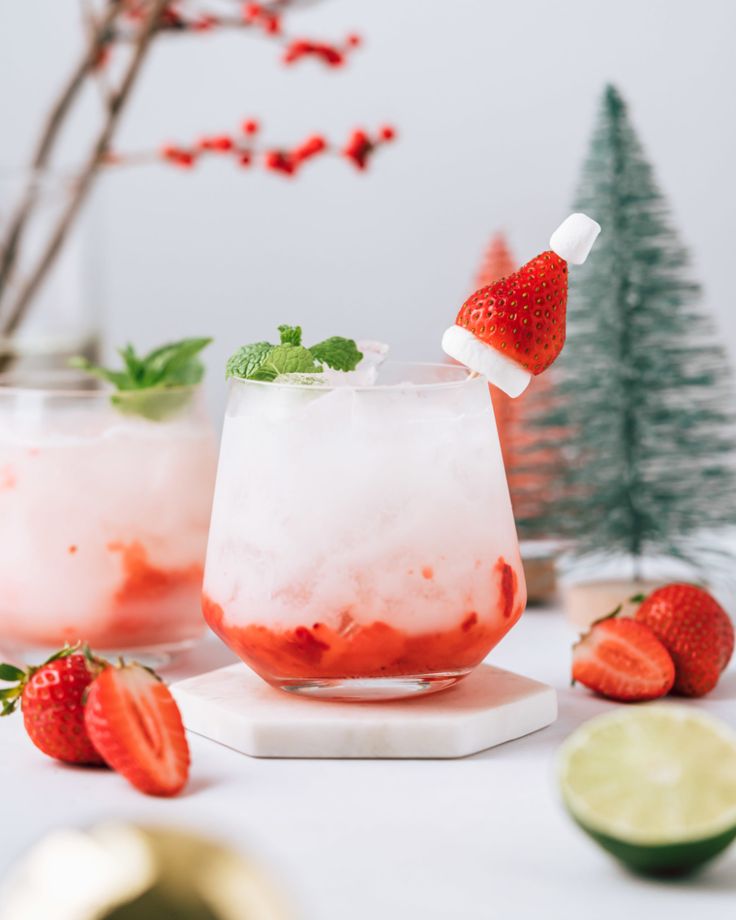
pixel 265 362
pixel 119 379
pixel 338 353
pixel 175 364
pixel 246 360
pixel 9 672
pixel 264 372
pixel 288 359
pixel 133 364
pixel 145 383
pixel 290 335
pixel 172 365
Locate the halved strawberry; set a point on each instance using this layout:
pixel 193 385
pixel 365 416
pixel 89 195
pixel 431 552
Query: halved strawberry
pixel 623 660
pixel 135 724
pixel 51 696
pixel 695 629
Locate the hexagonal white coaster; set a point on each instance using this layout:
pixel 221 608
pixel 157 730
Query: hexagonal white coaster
pixel 234 707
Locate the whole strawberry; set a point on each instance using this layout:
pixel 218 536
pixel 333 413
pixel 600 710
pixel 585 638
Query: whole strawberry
pixel 696 631
pixel 52 701
pixel 623 660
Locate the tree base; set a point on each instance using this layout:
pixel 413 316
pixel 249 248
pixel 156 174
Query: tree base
pixel 541 578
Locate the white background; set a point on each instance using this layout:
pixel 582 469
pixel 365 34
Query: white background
pixel 494 102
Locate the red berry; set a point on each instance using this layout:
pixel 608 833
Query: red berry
pixel 250 126
pixel 297 49
pixel 695 629
pixel 358 149
pixel 251 11
pixel 311 147
pixel 330 55
pixel 222 143
pixel 135 724
pixel 280 161
pixel 623 660
pixel 244 158
pixel 387 133
pixel 205 23
pixel 353 40
pixel 52 700
pixel 170 152
pixel 272 25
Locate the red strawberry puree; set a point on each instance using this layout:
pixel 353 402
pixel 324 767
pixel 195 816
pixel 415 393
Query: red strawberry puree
pixel 355 647
pixel 146 592
pixel 149 605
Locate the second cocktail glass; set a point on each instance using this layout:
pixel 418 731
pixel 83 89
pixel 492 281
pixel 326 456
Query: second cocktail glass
pixel 362 544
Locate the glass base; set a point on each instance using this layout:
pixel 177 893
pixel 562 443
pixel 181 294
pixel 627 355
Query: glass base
pixel 369 689
pixel 158 657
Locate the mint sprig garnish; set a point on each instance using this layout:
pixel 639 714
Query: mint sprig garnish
pixel 145 383
pixel 337 353
pixel 263 361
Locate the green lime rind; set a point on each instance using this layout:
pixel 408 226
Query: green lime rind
pixel 654 785
pixel 668 859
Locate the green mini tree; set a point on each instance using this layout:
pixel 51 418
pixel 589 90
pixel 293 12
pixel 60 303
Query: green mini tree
pixel 643 418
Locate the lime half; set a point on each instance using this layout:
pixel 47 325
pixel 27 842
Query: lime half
pixel 654 785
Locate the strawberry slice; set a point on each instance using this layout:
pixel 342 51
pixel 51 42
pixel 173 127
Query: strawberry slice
pixel 623 660
pixel 134 723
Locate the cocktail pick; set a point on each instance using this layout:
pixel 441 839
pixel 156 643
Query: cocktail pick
pixel 514 328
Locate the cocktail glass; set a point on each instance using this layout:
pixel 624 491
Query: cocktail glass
pixel 103 516
pixel 362 544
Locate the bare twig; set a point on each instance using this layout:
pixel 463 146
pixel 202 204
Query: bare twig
pixel 92 25
pixel 84 181
pixel 16 226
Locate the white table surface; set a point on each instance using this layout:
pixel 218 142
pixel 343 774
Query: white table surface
pixel 483 837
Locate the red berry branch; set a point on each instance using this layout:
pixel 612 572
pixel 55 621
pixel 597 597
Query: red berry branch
pixel 245 150
pixel 267 19
pixel 127 29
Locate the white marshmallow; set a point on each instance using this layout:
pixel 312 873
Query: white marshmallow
pixel 503 372
pixel 574 238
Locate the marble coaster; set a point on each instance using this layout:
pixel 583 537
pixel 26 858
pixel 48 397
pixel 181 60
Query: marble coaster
pixel 234 707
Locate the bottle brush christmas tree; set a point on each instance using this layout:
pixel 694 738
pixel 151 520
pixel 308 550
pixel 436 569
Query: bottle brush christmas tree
pixel 644 417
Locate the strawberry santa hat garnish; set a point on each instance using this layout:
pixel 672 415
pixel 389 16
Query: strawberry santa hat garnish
pixel 515 328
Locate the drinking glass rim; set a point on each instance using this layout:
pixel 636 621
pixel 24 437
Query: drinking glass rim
pixel 458 382
pixel 103 390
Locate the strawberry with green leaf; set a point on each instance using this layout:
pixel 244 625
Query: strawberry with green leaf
pixel 154 385
pixel 52 698
pixel 264 361
pixel 81 709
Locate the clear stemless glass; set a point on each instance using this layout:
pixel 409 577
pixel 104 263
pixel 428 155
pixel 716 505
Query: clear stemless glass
pixel 362 544
pixel 104 507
